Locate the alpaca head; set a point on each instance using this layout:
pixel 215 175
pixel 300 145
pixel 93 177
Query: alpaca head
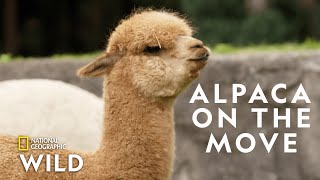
pixel 154 51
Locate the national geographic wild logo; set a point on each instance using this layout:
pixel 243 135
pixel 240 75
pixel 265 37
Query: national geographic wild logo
pixel 45 143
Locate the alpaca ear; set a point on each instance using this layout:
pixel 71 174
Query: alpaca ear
pixel 99 66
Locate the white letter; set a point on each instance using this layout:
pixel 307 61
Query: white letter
pixel 56 164
pixel 265 141
pixel 70 157
pixel 216 95
pixel 26 164
pixel 259 112
pixel 236 93
pixel 301 117
pixel 303 96
pixel 48 163
pixel 286 117
pixel 202 96
pixel 195 118
pixel 224 141
pixel 258 95
pixel 274 93
pixel 287 142
pixel 222 115
pixel 252 144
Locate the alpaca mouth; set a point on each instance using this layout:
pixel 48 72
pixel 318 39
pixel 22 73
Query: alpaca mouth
pixel 198 65
pixel 202 58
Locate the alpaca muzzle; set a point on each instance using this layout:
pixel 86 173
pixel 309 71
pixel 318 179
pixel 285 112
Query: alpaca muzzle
pixel 205 57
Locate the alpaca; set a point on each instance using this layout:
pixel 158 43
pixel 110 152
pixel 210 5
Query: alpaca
pixel 51 108
pixel 150 58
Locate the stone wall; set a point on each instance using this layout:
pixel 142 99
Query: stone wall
pixel 50 69
pixel 192 163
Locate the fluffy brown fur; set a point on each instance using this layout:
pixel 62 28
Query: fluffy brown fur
pixel 140 87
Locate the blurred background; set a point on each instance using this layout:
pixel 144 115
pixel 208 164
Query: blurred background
pixel 43 28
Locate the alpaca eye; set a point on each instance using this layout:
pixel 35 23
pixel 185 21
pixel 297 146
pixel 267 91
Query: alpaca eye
pixel 152 49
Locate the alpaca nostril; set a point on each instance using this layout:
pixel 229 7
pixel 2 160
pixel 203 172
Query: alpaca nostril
pixel 205 57
pixel 197 46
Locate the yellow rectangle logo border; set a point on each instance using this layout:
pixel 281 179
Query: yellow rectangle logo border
pixel 19 143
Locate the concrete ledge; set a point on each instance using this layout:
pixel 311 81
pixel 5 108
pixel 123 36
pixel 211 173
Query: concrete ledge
pixel 50 69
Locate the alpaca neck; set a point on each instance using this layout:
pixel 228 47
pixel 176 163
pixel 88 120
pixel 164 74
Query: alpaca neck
pixel 138 133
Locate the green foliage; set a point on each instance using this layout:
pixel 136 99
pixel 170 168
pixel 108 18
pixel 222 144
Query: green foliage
pixel 224 49
pixel 217 30
pixel 5 58
pixel 265 27
pixel 215 20
pixel 229 21
pixel 213 8
pixel 309 44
